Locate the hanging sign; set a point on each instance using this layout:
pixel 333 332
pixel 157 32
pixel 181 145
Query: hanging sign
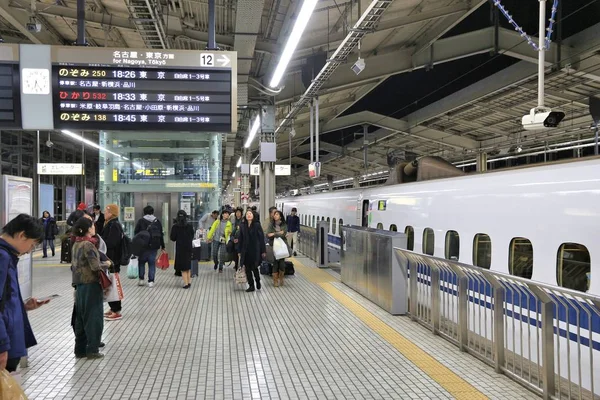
pixel 283 170
pixel 129 214
pixel 59 169
pixel 255 169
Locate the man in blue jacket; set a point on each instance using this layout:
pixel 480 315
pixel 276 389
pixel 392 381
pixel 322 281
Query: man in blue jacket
pixel 18 237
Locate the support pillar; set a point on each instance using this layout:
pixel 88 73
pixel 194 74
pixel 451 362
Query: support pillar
pixel 36 179
pixel 83 180
pixel 108 164
pixel 481 162
pixel 267 158
pixel 330 182
pixel 215 171
pixel 245 190
pixel 356 182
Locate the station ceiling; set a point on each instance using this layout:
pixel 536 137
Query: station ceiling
pixel 440 78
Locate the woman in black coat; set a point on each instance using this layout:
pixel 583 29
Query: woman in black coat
pixel 182 234
pixel 251 242
pixel 50 232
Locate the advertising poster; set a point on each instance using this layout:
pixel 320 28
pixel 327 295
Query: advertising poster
pixel 89 197
pixel 46 199
pixel 70 199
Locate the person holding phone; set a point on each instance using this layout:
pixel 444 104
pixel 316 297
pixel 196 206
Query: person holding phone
pixel 18 237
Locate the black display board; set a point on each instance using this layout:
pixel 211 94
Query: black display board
pixel 10 95
pixel 124 98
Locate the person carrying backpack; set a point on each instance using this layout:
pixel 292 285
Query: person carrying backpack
pixel 156 240
pixel 112 234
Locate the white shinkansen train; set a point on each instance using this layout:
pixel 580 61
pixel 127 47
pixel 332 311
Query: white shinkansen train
pixel 540 223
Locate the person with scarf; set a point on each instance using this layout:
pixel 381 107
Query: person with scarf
pixel 252 248
pixel 182 233
pixel 18 237
pixel 88 294
pixel 50 232
pixel 277 229
pixel 219 235
pixel 112 233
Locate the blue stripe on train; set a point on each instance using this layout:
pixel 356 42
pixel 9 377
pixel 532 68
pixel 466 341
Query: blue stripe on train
pixel 529 303
pixel 521 300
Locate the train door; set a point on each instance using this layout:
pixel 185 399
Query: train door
pixel 365 213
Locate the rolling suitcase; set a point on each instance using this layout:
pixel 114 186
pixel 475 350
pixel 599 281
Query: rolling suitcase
pixel 194 268
pixel 266 268
pixel 205 251
pixel 289 268
pixel 65 250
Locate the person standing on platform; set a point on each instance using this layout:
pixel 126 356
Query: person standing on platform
pixel 182 233
pixel 157 241
pixel 98 219
pixel 207 221
pixel 75 215
pixel 236 232
pixel 293 226
pixel 251 243
pixel 88 294
pixel 50 232
pixel 218 236
pixel 277 229
pixel 112 233
pixel 269 220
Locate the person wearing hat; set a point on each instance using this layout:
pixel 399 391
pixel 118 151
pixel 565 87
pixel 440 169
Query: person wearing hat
pixel 75 215
pixel 112 233
pixel 219 236
pixel 182 233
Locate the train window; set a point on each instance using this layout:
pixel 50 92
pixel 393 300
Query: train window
pixel 380 226
pixel 314 224
pixel 452 245
pixel 520 258
pixel 573 267
pixel 428 241
pixel 333 227
pixel 328 225
pixel 410 238
pixel 393 228
pixel 482 251
pixel 340 226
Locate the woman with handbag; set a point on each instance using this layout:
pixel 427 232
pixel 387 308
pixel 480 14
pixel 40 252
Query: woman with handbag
pixel 87 268
pixel 219 236
pixel 277 230
pixel 182 233
pixel 239 212
pixel 251 243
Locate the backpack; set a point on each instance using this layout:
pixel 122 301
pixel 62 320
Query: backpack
pixel 155 235
pixel 125 249
pixel 140 243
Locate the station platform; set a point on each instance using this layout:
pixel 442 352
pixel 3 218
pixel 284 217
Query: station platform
pixel 314 338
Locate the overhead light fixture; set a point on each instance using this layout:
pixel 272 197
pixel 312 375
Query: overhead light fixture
pixel 89 142
pixel 303 17
pixel 253 132
pixel 239 163
pixel 233 176
pixel 519 149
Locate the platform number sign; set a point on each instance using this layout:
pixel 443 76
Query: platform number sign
pixel 207 60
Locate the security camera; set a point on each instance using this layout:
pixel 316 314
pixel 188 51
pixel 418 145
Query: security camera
pixel 34 27
pixel 49 143
pixel 542 118
pixel 359 66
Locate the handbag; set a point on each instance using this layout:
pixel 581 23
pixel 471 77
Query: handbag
pixel 162 261
pixel 196 243
pixel 280 249
pixel 105 281
pixel 132 269
pixel 240 276
pixel 270 258
pixel 115 292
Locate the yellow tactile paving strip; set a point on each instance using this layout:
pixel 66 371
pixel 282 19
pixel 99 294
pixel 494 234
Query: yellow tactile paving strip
pixel 454 384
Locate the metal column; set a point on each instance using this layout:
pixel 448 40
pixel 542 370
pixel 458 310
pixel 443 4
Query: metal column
pixel 80 22
pixel 481 162
pixel 212 44
pixel 245 180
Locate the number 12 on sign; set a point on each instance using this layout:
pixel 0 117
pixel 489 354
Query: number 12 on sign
pixel 207 60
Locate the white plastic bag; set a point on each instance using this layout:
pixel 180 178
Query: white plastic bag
pixel 132 269
pixel 115 292
pixel 9 387
pixel 280 249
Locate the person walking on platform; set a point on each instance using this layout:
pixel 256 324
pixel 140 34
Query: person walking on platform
pixel 50 232
pixel 182 233
pixel 277 229
pixel 207 221
pixel 157 241
pixel 293 224
pixel 88 292
pixel 218 236
pixel 18 237
pixel 98 219
pixel 252 248
pixel 236 233
pixel 112 233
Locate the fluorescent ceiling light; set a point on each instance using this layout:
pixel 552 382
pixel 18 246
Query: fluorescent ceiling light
pixel 89 142
pixel 239 163
pixel 307 9
pixel 253 132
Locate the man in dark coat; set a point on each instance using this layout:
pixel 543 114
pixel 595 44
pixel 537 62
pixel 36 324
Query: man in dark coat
pixel 98 219
pixel 251 242
pixel 113 235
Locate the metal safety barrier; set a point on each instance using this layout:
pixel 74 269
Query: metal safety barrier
pixel 313 243
pixel 370 268
pixel 547 338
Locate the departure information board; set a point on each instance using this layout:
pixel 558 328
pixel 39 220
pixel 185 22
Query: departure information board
pixel 10 96
pixel 148 92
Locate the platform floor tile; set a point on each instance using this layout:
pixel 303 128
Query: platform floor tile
pixel 214 341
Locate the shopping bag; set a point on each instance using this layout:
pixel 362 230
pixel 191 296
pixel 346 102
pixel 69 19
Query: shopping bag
pixel 196 243
pixel 115 292
pixel 162 261
pixel 280 249
pixel 9 387
pixel 105 281
pixel 132 269
pixel 240 276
